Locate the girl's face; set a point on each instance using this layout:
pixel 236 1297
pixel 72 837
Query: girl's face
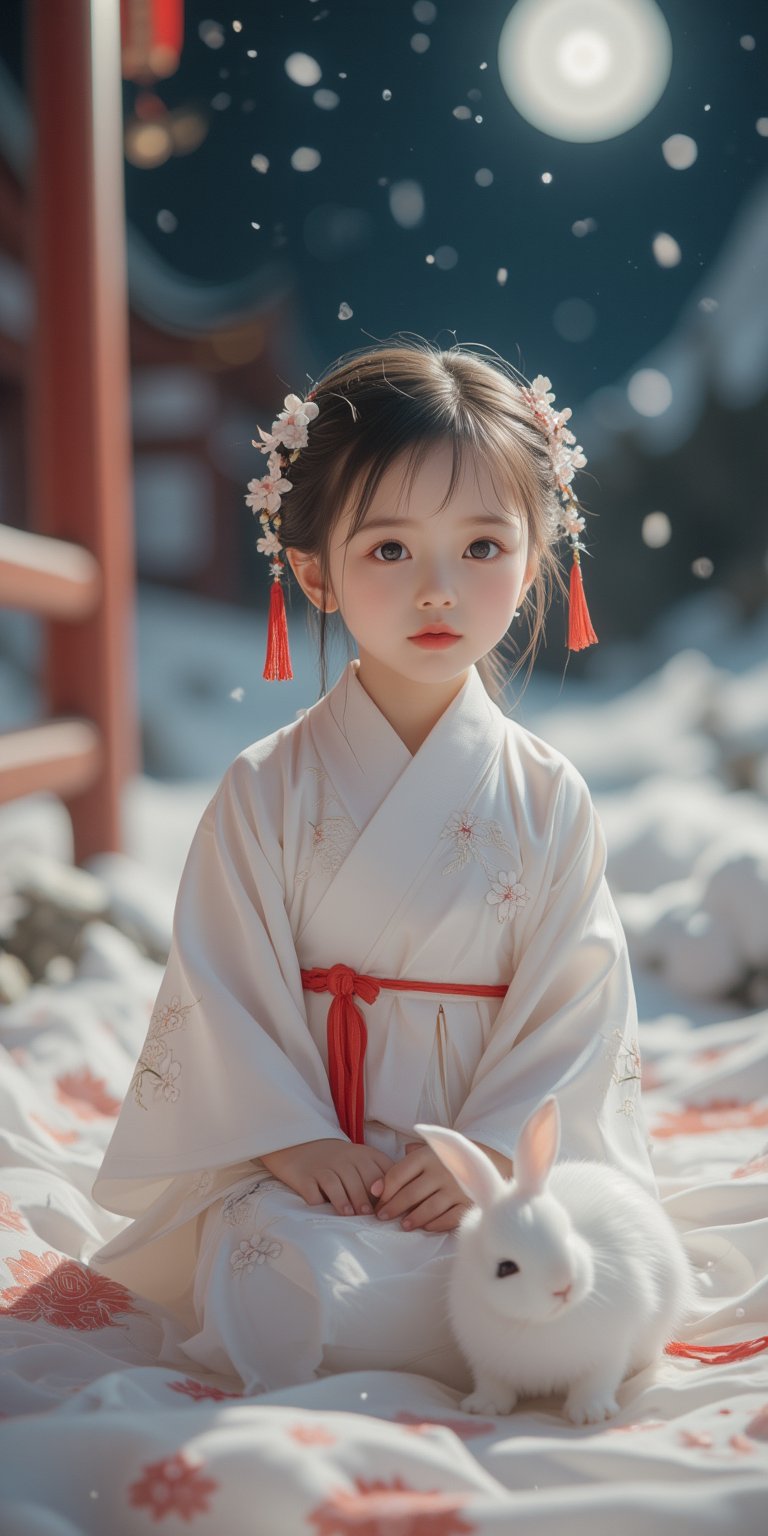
pixel 466 566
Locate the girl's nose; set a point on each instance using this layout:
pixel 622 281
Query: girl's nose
pixel 436 589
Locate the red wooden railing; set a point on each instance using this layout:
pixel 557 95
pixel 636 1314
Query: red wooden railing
pixel 80 576
pixel 54 580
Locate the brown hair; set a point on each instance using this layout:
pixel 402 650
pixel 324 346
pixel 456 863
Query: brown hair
pixel 378 403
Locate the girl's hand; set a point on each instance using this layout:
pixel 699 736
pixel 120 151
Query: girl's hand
pixel 421 1190
pixel 334 1170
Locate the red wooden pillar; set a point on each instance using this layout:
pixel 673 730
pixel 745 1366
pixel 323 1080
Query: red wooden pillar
pixel 79 430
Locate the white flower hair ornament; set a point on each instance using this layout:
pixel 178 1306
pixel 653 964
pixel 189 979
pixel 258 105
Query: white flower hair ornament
pixel 283 445
pixel 566 459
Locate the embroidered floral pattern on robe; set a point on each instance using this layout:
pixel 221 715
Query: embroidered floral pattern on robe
pixel 332 836
pixel 506 894
pixel 256 1249
pixel 242 1206
pixel 157 1059
pixel 470 834
pixel 627 1068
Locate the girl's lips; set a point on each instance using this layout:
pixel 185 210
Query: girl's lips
pixel 434 642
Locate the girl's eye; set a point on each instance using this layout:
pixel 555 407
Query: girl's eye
pixel 484 544
pixel 389 545
pixel 392 550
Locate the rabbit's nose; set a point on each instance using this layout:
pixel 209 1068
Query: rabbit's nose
pixel 565 1293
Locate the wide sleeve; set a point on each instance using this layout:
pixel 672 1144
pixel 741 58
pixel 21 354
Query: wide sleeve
pixel 228 1069
pixel 568 1022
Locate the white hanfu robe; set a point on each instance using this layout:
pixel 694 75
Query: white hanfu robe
pixel 477 860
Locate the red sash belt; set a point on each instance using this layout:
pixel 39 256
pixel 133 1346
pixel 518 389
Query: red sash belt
pixel 348 1036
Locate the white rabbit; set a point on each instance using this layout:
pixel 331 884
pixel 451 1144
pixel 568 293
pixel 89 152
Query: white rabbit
pixel 564 1279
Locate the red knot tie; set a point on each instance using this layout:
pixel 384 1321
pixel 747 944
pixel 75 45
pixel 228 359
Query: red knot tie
pixel 348 1036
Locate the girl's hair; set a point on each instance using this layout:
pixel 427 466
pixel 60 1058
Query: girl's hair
pixel 393 399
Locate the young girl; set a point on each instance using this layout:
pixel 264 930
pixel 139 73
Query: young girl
pixel 394 909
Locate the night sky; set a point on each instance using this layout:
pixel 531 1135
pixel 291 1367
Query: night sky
pixel 517 222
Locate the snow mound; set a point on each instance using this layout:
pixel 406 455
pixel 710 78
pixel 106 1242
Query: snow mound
pixel 707 935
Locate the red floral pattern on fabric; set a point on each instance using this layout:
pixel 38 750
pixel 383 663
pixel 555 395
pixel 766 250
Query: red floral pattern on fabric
pixel 311 1434
pixel 63 1137
pixel 755 1165
pixel 10 1218
pixel 639 1424
pixel 378 1509
pixel 174 1486
pixel 60 1291
pixel 704 1119
pixel 85 1095
pixel 199 1392
pixel 697 1439
pixel 466 1429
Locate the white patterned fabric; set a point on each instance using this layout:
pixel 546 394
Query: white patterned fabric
pixel 109 1424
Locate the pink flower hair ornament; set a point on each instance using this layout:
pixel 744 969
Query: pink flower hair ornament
pixel 283 446
pixel 565 461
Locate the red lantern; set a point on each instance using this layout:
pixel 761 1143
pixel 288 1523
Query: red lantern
pixel 152 33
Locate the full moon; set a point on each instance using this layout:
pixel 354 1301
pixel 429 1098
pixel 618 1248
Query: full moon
pixel 585 69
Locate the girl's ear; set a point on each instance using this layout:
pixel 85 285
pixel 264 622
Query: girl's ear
pixel 531 572
pixel 306 569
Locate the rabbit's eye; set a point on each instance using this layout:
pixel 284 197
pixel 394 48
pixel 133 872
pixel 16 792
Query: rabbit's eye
pixel 506 1267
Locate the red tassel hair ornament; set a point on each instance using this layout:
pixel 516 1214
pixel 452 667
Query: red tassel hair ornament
pixel 277 667
pixel 283 445
pixel 580 631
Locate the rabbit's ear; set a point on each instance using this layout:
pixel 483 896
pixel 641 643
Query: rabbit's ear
pixel 537 1147
pixel 470 1167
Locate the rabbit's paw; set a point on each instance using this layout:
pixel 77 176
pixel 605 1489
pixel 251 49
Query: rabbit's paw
pixel 490 1398
pixel 590 1405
